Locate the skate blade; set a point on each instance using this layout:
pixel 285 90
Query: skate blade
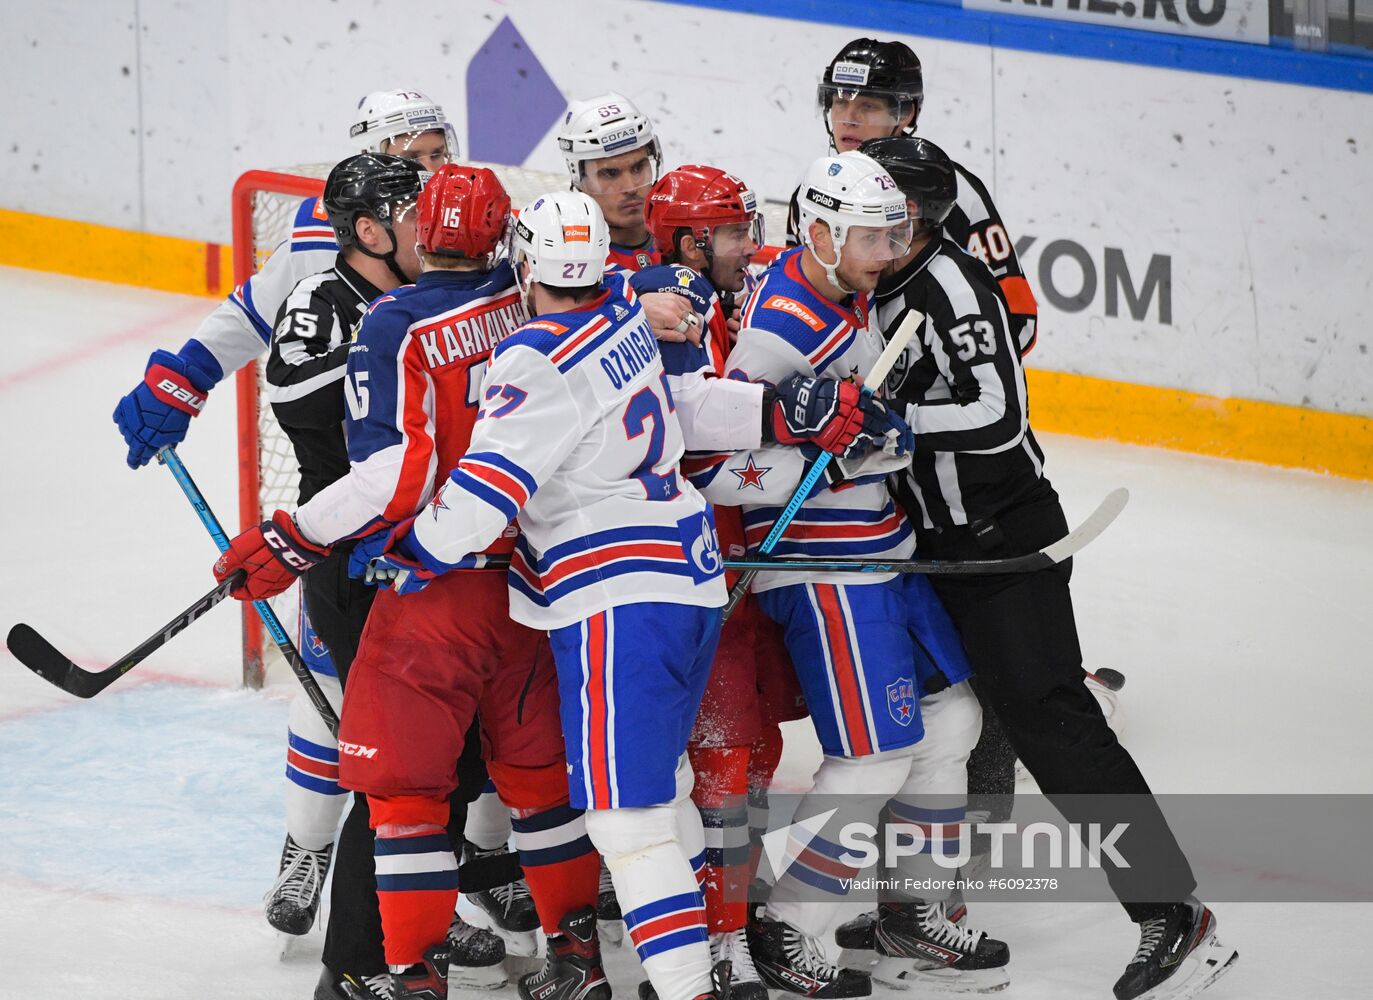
pixel 286 945
pixel 905 974
pixel 478 978
pixel 521 944
pixel 1207 963
pixel 611 932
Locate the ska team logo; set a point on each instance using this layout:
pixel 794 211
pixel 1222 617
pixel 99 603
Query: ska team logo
pixel 901 700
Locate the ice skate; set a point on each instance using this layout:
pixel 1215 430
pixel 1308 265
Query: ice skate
pixel 1178 956
pixel 732 969
pixel 347 986
pixel 788 960
pixel 572 967
pixel 506 911
pixel 860 933
pixel 919 947
pixel 293 901
pixel 476 957
pixel 608 916
pixel 425 980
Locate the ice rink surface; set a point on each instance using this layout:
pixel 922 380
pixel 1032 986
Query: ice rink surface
pixel 138 830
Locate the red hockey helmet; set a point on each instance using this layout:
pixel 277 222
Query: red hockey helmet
pixel 701 199
pixel 463 212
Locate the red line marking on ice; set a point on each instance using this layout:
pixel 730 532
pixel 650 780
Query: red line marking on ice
pixel 86 352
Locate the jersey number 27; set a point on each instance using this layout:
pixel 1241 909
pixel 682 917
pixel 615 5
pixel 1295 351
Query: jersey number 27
pixel 644 415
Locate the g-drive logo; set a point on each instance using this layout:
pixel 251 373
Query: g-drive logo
pixel 865 846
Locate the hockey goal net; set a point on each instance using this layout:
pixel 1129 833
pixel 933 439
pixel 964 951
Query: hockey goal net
pixel 264 204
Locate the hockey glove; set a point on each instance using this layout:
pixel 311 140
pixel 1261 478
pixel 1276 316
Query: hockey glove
pixel 883 430
pixel 825 412
pixel 159 409
pixel 401 565
pixel 273 554
pixel 367 548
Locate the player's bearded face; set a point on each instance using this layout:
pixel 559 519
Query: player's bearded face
pixel 428 149
pixel 732 246
pixel 619 185
pixel 855 117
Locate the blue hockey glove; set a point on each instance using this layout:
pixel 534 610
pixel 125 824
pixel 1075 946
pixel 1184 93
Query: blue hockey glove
pixel 883 429
pixel 159 409
pixel 402 562
pixel 364 551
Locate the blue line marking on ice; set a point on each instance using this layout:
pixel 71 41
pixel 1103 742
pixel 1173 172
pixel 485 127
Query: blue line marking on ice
pixel 167 790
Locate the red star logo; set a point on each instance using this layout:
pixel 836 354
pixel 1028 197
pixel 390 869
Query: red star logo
pixel 751 475
pixel 905 711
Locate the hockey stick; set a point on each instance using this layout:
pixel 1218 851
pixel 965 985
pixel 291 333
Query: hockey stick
pixel 1066 547
pixel 40 656
pixel 169 458
pixel 871 383
pixel 1111 680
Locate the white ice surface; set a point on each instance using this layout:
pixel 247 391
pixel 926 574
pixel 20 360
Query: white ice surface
pixel 138 830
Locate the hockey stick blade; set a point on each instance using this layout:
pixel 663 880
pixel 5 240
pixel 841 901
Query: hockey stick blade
pixel 45 660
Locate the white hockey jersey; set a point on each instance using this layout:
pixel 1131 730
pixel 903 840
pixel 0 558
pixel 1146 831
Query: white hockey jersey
pixel 789 327
pixel 577 439
pixel 240 330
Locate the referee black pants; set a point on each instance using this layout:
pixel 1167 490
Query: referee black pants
pixel 1021 638
pixel 338 607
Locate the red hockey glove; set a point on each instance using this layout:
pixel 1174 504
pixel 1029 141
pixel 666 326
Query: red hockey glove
pixel 273 554
pixel 820 411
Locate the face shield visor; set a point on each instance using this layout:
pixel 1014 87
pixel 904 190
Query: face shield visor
pixel 631 173
pixel 736 239
pixel 852 115
pixel 431 148
pixel 877 244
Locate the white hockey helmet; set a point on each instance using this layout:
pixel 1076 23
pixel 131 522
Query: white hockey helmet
pixel 862 206
pixel 605 126
pixel 564 239
pixel 390 121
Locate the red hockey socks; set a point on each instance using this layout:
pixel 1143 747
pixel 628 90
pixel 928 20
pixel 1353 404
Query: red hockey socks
pixel 561 867
pixel 417 874
pixel 721 796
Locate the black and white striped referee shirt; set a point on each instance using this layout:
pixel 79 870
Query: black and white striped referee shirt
pixel 963 387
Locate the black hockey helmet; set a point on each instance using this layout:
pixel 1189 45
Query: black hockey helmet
pixel 371 184
pixel 882 69
pixel 922 171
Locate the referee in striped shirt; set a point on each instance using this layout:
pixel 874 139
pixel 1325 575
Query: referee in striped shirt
pixel 976 489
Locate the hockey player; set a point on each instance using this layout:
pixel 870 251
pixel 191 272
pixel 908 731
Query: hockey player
pixel 881 666
pixel 708 225
pixel 975 489
pixel 872 89
pixel 617 558
pixel 612 155
pixel 428 663
pixel 403 123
